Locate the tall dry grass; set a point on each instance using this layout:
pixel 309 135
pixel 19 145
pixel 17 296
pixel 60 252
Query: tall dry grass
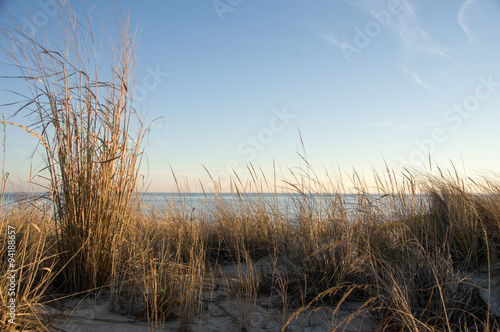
pixel 397 255
pixel 34 261
pixel 90 135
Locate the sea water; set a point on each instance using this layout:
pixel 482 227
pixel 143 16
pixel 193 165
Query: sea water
pixel 290 205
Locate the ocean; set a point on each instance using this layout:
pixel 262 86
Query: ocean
pixel 206 204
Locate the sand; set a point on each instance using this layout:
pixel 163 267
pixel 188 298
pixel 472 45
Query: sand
pixel 221 312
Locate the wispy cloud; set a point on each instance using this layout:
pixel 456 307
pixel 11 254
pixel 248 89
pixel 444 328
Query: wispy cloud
pixel 21 152
pixel 461 17
pixel 414 38
pixel 379 124
pixel 417 78
pixel 330 37
pixel 406 25
pixel 177 173
pixel 412 34
pixel 22 141
pixel 385 124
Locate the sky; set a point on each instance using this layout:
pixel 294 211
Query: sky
pixel 349 84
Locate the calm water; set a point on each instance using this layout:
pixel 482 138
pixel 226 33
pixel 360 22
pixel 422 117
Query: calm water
pixel 195 203
pixel 14 200
pixel 287 205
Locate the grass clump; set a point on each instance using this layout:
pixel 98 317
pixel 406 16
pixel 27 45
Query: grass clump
pixel 83 124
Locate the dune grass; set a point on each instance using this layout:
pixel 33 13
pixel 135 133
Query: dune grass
pixel 83 125
pixel 406 258
pixel 405 251
pixel 35 264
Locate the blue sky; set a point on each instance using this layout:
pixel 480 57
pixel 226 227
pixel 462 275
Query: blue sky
pixel 364 81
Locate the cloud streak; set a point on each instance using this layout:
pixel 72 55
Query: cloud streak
pixel 329 37
pixel 21 152
pixel 461 17
pixel 385 124
pixel 417 78
pixel 404 22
